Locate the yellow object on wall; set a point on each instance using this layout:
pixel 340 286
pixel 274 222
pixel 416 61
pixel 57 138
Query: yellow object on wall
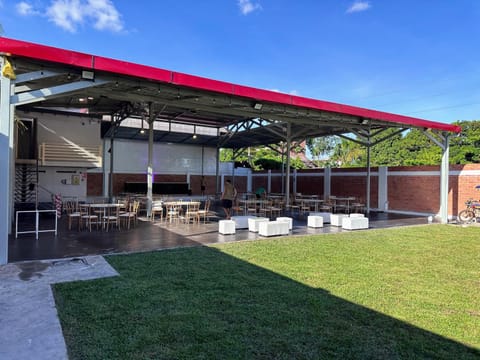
pixel 7 70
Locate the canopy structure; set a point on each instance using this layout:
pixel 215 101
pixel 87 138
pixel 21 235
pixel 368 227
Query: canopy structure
pixel 221 114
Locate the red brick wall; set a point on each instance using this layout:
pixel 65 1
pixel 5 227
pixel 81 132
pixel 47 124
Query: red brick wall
pixel 94 184
pixel 406 192
pixel 414 193
pixel 308 184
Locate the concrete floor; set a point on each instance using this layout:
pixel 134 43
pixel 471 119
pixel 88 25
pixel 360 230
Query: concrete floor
pixel 147 236
pixel 30 328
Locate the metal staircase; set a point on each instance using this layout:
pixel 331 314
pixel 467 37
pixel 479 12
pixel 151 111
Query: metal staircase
pixel 26 181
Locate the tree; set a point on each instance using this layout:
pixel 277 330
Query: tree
pixel 465 148
pixel 321 149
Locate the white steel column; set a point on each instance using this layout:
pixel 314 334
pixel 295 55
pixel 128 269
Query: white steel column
pixel 6 128
pixel 444 173
pixel 105 172
pixel 287 175
pixel 368 176
pixel 443 142
pixel 383 188
pixel 151 120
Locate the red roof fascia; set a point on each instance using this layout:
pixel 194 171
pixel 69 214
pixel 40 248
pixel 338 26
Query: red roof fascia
pixel 86 61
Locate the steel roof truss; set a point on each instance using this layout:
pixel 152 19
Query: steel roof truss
pixel 53 92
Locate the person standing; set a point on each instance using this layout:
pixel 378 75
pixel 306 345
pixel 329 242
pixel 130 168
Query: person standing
pixel 229 194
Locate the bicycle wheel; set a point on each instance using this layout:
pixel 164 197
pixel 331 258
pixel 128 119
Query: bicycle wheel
pixel 466 215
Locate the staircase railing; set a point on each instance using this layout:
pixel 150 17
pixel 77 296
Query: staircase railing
pixel 71 154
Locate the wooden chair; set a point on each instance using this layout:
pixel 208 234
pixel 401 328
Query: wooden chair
pixel 72 213
pixel 112 217
pixel 173 212
pixel 157 208
pixel 266 208
pixel 191 213
pixel 205 212
pixel 87 218
pixel 131 215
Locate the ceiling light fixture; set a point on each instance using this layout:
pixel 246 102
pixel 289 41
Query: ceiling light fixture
pixel 258 106
pixel 142 130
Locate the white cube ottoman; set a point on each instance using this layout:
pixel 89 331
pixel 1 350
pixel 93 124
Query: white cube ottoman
pixel 356 215
pixel 288 220
pixel 254 222
pixel 273 228
pixel 241 222
pixel 355 223
pixel 315 221
pixel 226 227
pixel 324 215
pixel 337 219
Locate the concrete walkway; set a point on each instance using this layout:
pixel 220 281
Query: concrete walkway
pixel 29 325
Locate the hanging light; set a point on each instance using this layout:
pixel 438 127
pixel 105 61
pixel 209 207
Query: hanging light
pixel 142 130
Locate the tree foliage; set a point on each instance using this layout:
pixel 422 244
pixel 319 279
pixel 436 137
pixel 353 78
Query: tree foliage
pixel 409 148
pixel 265 158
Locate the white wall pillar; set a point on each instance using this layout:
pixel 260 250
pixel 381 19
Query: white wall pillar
pixel 6 151
pixel 444 174
pixel 106 167
pixel 383 188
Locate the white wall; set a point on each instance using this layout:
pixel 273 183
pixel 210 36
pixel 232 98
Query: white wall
pixel 58 180
pixel 132 157
pixel 61 128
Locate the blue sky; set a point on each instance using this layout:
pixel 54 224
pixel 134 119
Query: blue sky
pixel 418 58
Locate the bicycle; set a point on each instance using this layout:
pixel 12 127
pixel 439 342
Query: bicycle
pixel 471 213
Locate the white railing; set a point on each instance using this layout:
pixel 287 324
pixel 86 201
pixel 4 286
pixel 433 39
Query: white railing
pixel 37 222
pixel 73 154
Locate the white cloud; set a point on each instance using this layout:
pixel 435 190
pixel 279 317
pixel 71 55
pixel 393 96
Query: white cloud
pixel 105 15
pixel 66 14
pixel 247 6
pixel 70 14
pixel 25 9
pixel 358 6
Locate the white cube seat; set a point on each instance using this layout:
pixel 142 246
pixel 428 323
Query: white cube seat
pixel 254 222
pixel 356 215
pixel 226 227
pixel 355 223
pixel 241 221
pixel 324 215
pixel 288 220
pixel 337 219
pixel 315 221
pixel 273 228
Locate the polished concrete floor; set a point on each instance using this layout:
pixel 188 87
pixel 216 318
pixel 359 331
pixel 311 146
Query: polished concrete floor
pixel 147 236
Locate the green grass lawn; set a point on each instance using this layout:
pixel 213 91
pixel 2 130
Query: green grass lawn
pixel 381 294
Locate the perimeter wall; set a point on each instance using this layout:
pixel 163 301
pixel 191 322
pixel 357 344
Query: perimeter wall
pixel 413 189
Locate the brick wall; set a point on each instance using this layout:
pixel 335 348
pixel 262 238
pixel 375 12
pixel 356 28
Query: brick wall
pixel 410 189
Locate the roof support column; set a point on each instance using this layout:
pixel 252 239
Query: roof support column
pixel 287 176
pixel 151 120
pixel 217 168
pixel 444 143
pixel 6 146
pixel 110 173
pixel 368 175
pixel 444 173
